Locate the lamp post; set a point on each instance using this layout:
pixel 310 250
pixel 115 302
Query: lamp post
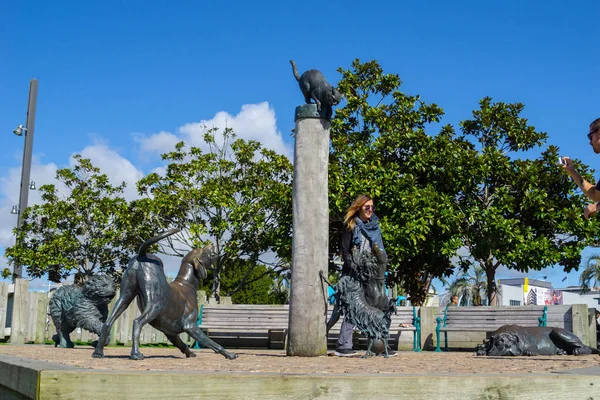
pixel 26 130
pixel 544 277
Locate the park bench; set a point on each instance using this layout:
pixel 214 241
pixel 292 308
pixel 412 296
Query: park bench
pixel 266 326
pixel 245 325
pixel 488 319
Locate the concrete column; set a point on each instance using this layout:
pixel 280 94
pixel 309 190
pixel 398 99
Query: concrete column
pixel 428 324
pixel 310 243
pixel 581 323
pixel 592 327
pixel 201 297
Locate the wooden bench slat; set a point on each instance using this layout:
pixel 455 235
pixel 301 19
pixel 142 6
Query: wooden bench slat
pixel 252 325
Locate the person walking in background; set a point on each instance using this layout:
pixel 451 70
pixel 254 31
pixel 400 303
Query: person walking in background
pixel 597 329
pixel 453 301
pixel 361 231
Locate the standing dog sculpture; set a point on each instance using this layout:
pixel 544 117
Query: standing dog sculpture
pixel 172 308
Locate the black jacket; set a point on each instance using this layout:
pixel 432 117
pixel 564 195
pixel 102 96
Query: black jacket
pixel 346 247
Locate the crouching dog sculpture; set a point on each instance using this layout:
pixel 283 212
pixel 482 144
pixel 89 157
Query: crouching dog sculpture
pixel 360 296
pixel 516 340
pixel 172 308
pixel 86 307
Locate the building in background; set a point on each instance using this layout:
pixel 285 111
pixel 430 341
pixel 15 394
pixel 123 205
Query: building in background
pixel 525 291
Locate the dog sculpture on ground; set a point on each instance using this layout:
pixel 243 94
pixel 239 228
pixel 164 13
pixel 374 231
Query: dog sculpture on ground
pixel 86 307
pixel 172 308
pixel 372 315
pixel 516 340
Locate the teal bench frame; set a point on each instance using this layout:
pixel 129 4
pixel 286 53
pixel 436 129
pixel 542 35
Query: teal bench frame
pixel 416 323
pixel 442 323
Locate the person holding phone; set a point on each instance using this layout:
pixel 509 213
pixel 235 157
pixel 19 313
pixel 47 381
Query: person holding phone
pixel 590 190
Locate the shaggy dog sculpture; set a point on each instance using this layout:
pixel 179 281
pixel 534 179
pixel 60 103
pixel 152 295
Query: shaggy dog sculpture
pixel 172 308
pixel 516 340
pixel 363 305
pixel 86 307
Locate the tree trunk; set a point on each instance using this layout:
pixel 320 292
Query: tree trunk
pixel 216 290
pixel 490 272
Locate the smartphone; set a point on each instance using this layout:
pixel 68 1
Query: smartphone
pixel 561 161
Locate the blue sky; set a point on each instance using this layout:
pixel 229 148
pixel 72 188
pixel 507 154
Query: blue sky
pixel 120 81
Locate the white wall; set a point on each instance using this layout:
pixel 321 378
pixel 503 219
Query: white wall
pixel 509 293
pixel 576 298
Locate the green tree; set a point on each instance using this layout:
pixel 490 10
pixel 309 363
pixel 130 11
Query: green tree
pixel 590 276
pixel 237 194
pixel 520 213
pixel 260 286
pixel 87 232
pixel 470 286
pixel 380 147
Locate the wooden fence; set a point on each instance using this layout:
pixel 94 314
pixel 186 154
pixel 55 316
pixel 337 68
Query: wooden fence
pixel 24 319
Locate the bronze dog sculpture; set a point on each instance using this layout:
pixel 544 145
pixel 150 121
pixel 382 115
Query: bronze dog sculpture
pixel 86 306
pixel 172 308
pixel 360 296
pixel 516 340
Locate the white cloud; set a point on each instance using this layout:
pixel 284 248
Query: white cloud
pixel 117 168
pixel 160 142
pixel 9 195
pixel 253 122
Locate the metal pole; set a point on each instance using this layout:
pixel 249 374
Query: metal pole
pixel 26 166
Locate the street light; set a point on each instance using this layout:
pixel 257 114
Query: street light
pixel 27 131
pixel 19 131
pixel 544 277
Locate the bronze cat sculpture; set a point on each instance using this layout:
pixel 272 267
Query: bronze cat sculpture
pixel 314 86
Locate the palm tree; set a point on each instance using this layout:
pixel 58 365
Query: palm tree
pixel 470 287
pixel 591 273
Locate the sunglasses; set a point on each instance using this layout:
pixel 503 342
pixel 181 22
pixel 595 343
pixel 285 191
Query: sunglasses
pixel 369 208
pixel 589 135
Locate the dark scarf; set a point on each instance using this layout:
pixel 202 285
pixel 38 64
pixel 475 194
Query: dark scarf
pixel 370 230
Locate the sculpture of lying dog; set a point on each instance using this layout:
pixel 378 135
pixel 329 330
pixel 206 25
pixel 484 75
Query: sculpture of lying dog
pixel 172 308
pixel 515 340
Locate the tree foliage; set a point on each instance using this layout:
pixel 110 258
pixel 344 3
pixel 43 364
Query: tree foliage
pixel 590 276
pixel 523 214
pixel 260 285
pixel 470 286
pixel 437 193
pixel 380 147
pixel 86 232
pixel 236 194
